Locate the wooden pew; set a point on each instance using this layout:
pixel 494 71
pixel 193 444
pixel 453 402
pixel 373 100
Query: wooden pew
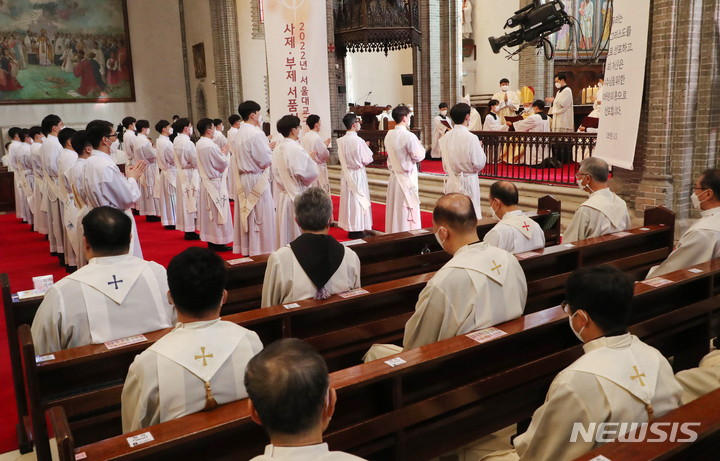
pixel 703 411
pixel 446 395
pixel 341 329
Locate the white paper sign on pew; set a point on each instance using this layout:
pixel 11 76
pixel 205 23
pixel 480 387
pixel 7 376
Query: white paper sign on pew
pixel 139 439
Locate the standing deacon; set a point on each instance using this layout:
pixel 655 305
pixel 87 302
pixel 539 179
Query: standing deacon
pixel 404 152
pixel 52 204
pixel 355 214
pixel 214 216
pixel 185 159
pixel 66 160
pixel 254 231
pixel 167 180
pixel 515 233
pixel 701 242
pixel 15 141
pixel 201 363
pixel 115 296
pixel 129 137
pixel 25 168
pixel 509 102
pixel 441 125
pixel 492 119
pixel 104 184
pixel 604 212
pixel 294 171
pixel 314 265
pixel 144 150
pixel 318 150
pixel 234 122
pixel 42 222
pixel 562 106
pixel 218 136
pixel 463 157
pixel 81 145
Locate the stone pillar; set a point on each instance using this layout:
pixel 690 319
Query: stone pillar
pixel 226 54
pixel 451 51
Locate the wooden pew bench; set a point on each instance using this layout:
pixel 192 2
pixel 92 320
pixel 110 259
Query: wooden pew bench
pixel 446 395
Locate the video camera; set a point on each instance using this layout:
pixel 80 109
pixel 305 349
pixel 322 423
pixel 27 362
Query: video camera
pixel 534 22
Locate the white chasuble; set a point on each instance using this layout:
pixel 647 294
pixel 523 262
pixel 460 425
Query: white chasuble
pixel 603 213
pixel 463 159
pixel 111 298
pixel 319 452
pixel 355 213
pixel 312 142
pixel 402 212
pixel 516 233
pixel 195 367
pixel 214 216
pixel 697 382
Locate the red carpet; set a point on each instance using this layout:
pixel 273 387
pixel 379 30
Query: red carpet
pixel 26 254
pixel 566 174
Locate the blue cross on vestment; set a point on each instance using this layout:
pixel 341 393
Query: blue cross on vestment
pixel 115 281
pixel 221 201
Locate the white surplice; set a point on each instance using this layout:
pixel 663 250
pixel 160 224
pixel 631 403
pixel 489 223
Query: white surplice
pixel 52 203
pixel 603 213
pixel 42 222
pixel 105 185
pixel 516 233
pixel 598 388
pixel 293 171
pixel 355 213
pixel 286 281
pixel 214 216
pixel 66 160
pixel 169 379
pixel 535 123
pixel 319 452
pixel 563 118
pixel 252 158
pixel 697 382
pixel 463 159
pixel 129 138
pixel 509 107
pixel 492 123
pixel 312 142
pixel 188 181
pixel 402 212
pixel 167 180
pixel 144 150
pixel 439 129
pixel 221 140
pixel 86 307
pixel 699 244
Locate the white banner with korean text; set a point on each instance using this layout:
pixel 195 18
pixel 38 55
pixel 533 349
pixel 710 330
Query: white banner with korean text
pixel 297 56
pixel 624 79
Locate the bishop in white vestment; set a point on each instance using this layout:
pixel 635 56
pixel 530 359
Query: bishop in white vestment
pixel 402 211
pixel 355 213
pixel 214 216
pixel 185 156
pixel 318 150
pixel 515 233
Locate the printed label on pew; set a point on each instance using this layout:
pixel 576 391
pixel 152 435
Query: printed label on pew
pixel 44 358
pixel 419 231
pixel 136 440
pixel 350 243
pixel 29 294
pixel 234 262
pixel 568 245
pixel 657 282
pixel 125 342
pixel 291 306
pixel 644 228
pixel 600 458
pixel 622 234
pixel 82 455
pixel 485 335
pixel 395 362
pixel 354 292
pixel 527 254
pixel 695 271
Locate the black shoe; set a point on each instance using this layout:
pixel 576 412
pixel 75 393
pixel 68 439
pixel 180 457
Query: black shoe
pixel 152 218
pixel 70 269
pixel 356 235
pixel 47 238
pixel 169 227
pixel 61 257
pixel 216 247
pixel 53 253
pixel 136 213
pixel 191 236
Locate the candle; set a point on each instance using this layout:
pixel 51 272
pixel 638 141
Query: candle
pixel 595 90
pixel 583 96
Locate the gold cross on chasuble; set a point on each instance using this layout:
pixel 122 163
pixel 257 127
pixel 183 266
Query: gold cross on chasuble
pixel 638 376
pixel 497 267
pixel 205 357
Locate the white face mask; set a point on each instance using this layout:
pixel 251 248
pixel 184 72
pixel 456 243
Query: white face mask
pixel 437 237
pixel 191 131
pixel 170 130
pixel 558 85
pixel 577 333
pixel 443 113
pixel 504 88
pixel 495 109
pixel 260 120
pixel 494 214
pixel 586 186
pixel 696 201
pixel 115 146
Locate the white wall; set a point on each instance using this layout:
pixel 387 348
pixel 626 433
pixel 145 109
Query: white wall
pixel 380 74
pixel 198 29
pixel 489 17
pixel 253 61
pixel 158 69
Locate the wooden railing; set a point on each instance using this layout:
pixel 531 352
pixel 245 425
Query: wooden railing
pixel 376 138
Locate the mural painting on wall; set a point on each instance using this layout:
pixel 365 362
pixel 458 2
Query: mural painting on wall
pixel 64 51
pixel 591 16
pixel 199 60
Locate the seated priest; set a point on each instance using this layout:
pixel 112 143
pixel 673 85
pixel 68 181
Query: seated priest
pixel 701 242
pixel 481 286
pixel 515 233
pixel 604 212
pixel 619 381
pixel 290 396
pixel 697 382
pixel 201 363
pixel 314 265
pixel 115 296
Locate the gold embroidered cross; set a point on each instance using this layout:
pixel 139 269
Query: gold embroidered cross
pixel 204 357
pixel 639 376
pixel 497 267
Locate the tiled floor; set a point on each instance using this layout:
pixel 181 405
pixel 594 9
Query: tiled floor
pixel 476 450
pixel 16 456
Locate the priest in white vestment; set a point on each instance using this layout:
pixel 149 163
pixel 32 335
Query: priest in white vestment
pixel 14 134
pixel 402 210
pixel 355 213
pixel 701 242
pixel 254 227
pixel 42 222
pixel 104 184
pixel 515 233
pixel 563 118
pixel 235 121
pixel 201 363
pixel 221 140
pixel 129 137
pixel 509 102
pixel 618 381
pixel 115 296
pixel 604 212
pixel 144 150
pixel 314 265
pixel 214 216
pixel 297 408
pixel 293 171
pixel 25 164
pixel 481 286
pixel 442 123
pixel 81 145
pixel 51 149
pixel 166 182
pixel 702 380
pixel 188 179
pixel 538 122
pixel 318 150
pixel 66 160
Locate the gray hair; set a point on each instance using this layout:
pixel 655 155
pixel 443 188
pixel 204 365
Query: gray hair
pixel 595 167
pixel 313 209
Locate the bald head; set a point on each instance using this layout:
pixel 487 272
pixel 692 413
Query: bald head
pixel 456 212
pixel 597 168
pixel 505 191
